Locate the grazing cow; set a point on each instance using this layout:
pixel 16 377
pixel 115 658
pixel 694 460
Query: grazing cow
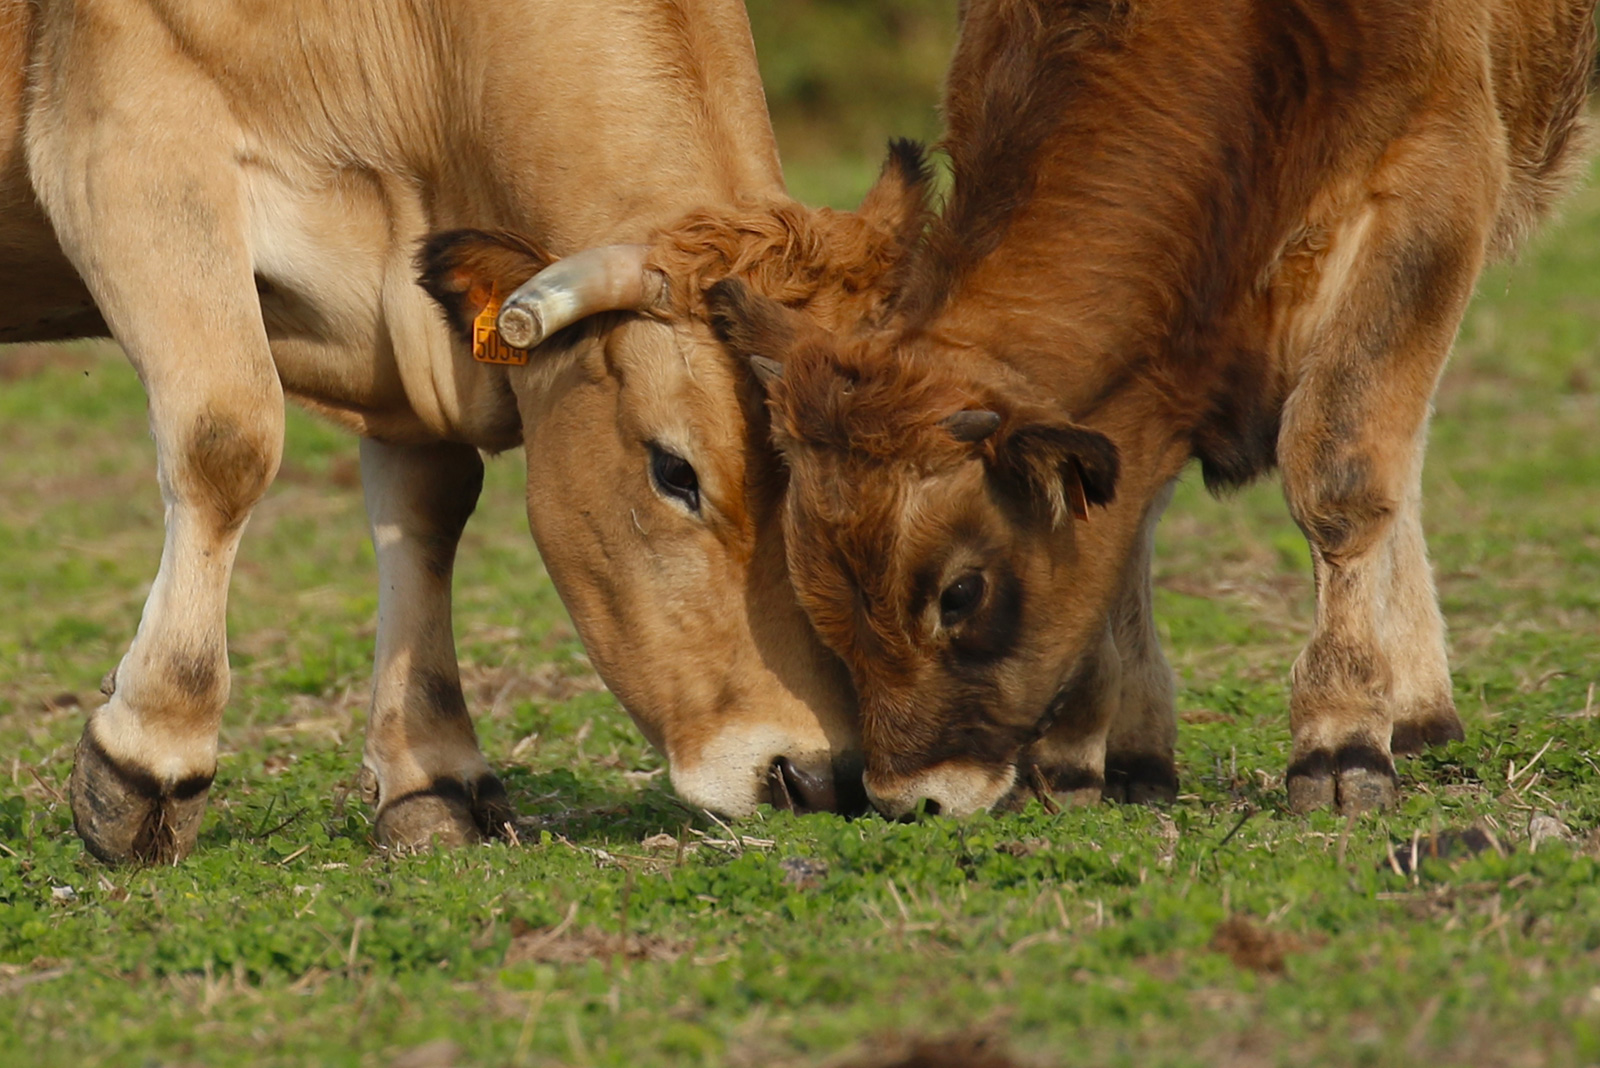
pixel 1242 231
pixel 237 193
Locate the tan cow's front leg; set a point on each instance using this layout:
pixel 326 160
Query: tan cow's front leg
pixel 141 179
pixel 1350 448
pixel 423 768
pixel 146 758
pixel 1140 764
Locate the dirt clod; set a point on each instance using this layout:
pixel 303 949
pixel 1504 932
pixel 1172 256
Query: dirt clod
pixel 556 946
pixel 984 1051
pixel 1446 845
pixel 803 873
pixel 440 1053
pixel 1253 946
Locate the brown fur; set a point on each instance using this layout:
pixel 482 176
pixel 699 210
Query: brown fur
pixel 1242 231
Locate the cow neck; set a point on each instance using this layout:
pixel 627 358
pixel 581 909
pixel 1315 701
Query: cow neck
pixel 605 121
pixel 600 123
pixel 1105 239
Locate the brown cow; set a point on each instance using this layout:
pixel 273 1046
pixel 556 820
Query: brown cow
pixel 1242 231
pixel 237 193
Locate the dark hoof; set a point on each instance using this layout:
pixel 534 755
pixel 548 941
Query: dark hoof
pixel 446 815
pixel 1356 779
pixel 1413 737
pixel 1138 779
pixel 127 816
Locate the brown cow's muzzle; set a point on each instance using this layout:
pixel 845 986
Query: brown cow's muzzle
pixel 952 788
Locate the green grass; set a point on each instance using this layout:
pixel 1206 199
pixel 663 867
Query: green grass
pixel 1088 937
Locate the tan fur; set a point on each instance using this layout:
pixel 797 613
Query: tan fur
pixel 237 193
pixel 1242 231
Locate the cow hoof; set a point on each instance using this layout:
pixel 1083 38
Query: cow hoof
pixel 446 815
pixel 1356 779
pixel 1139 779
pixel 127 816
pixel 1414 736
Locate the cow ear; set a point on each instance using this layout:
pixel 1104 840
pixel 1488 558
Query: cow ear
pixel 1061 466
pixel 898 200
pixel 755 327
pixel 463 270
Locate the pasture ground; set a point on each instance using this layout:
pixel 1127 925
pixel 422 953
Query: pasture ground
pixel 626 930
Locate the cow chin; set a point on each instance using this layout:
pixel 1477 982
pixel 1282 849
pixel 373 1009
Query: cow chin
pixel 957 787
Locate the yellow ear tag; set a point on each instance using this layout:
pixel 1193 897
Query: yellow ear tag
pixel 486 344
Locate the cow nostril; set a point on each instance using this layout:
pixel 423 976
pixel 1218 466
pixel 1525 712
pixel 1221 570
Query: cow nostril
pixel 797 790
pixel 932 807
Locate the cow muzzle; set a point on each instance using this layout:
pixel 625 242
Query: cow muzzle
pixel 949 789
pixel 739 769
pixel 611 278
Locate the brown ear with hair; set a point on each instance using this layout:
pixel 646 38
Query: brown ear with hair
pixel 898 200
pixel 1060 466
pixel 754 327
pixel 463 270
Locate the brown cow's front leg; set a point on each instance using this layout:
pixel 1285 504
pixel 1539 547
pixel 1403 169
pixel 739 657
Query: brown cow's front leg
pixel 1069 761
pixel 1350 447
pixel 1422 699
pixel 1140 764
pixel 423 769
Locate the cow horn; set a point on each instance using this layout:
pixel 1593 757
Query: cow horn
pixel 611 278
pixel 767 371
pixel 971 426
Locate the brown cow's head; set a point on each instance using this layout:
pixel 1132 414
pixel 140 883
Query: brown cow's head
pixel 934 523
pixel 653 488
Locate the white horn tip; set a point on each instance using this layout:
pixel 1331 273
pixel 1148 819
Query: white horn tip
pixel 520 327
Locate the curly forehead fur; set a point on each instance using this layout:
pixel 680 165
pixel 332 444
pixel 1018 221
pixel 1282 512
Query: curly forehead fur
pixel 838 267
pixel 855 398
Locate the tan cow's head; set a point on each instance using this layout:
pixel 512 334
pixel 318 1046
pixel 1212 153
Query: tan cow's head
pixel 653 488
pixel 943 531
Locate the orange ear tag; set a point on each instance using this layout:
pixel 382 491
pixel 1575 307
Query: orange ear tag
pixel 486 344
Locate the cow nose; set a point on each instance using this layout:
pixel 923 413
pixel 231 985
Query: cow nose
pixel 796 790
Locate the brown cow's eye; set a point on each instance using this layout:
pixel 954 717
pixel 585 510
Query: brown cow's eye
pixel 960 599
pixel 674 477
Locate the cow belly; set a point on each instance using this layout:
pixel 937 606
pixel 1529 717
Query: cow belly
pixel 44 298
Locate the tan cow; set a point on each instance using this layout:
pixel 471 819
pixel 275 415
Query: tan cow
pixel 237 192
pixel 1243 231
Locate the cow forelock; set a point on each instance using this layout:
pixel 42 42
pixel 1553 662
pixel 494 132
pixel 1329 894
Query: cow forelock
pixel 874 397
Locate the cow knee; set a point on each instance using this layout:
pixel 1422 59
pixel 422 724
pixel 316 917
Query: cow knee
pixel 1341 504
pixel 227 463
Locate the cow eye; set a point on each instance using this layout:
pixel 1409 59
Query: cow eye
pixel 960 599
pixel 674 477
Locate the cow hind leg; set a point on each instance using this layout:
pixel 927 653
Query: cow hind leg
pixel 1140 760
pixel 423 770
